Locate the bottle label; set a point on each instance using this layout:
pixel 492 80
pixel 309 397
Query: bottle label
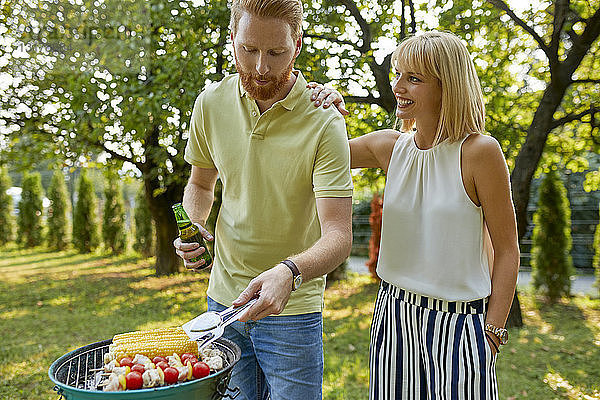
pixel 189 232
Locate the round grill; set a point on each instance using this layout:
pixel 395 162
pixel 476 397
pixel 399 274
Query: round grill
pixel 75 378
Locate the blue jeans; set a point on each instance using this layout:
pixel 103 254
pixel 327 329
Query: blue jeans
pixel 282 356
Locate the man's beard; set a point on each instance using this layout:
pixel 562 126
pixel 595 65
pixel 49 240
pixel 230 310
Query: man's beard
pixel 267 91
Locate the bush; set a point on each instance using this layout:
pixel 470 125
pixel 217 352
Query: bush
pixel 144 227
pixel 59 235
pixel 7 219
pixel 113 221
pixel 552 266
pixel 29 221
pixel 86 236
pixel 596 262
pixel 376 223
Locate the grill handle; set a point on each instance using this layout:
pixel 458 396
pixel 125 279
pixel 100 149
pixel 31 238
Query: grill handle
pixel 221 391
pixel 59 390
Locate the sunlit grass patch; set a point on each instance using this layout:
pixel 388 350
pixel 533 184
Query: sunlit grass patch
pixel 556 342
pixel 65 300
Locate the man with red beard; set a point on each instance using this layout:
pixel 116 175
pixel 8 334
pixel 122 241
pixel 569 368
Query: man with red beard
pixel 285 217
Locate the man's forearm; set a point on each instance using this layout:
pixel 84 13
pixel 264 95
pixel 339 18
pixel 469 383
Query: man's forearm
pixel 325 255
pixel 197 202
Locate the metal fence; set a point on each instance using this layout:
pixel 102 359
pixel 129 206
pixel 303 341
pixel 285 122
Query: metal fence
pixel 584 219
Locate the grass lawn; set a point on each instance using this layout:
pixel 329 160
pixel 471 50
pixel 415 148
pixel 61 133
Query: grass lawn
pixel 54 302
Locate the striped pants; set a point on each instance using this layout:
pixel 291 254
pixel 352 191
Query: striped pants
pixel 424 348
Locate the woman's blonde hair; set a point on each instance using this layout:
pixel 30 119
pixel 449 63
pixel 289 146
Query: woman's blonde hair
pixel 288 10
pixel 443 56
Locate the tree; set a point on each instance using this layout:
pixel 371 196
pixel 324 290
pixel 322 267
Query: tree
pixel 120 79
pixel 551 262
pixel 7 220
pixel 569 45
pixel 86 235
pixel 113 218
pixel 562 62
pixel 29 221
pixel 58 213
pixel 144 227
pixel 132 64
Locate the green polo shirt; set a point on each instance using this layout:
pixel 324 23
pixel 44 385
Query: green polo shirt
pixel 273 166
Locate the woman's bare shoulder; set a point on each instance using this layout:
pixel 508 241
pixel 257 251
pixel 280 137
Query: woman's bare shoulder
pixel 480 147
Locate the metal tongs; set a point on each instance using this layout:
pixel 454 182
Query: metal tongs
pixel 209 326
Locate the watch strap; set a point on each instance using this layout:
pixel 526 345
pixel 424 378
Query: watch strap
pixel 500 333
pixel 295 271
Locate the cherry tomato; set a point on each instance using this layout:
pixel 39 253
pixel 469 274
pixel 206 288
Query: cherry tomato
pixel 158 359
pixel 200 370
pixel 185 356
pixel 171 375
pixel 126 362
pixel 162 365
pixel 139 368
pixel 192 360
pixel 134 380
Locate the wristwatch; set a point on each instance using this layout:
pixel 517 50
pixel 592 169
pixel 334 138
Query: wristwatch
pixel 296 275
pixel 501 333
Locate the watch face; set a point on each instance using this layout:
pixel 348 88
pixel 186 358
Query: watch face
pixel 297 282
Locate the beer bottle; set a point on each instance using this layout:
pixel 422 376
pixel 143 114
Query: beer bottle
pixel 189 233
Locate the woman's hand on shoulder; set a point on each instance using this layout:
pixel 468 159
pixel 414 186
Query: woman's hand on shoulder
pixel 327 96
pixel 373 150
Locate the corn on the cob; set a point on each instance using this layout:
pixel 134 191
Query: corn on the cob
pixel 158 342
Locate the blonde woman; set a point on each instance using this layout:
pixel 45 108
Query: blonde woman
pixel 449 254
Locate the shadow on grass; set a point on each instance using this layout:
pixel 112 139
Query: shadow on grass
pixel 346 325
pixel 75 258
pixel 86 302
pixel 554 353
pixel 14 252
pixel 47 310
pixel 574 340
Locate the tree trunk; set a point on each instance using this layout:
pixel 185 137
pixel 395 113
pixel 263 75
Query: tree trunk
pixel 528 158
pixel 167 261
pixel 515 316
pixel 525 165
pixel 381 72
pixel 160 199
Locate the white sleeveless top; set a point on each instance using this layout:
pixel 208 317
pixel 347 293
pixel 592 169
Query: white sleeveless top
pixel 432 233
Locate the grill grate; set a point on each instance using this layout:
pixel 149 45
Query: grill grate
pixel 76 371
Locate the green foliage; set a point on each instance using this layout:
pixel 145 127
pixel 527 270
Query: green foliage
pixel 596 262
pixel 59 230
pixel 123 76
pixel 86 235
pixel 114 233
pixel 7 219
pixel 144 226
pixel 29 221
pixel 514 73
pixel 552 266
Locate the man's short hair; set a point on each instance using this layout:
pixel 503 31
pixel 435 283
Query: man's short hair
pixel 288 10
